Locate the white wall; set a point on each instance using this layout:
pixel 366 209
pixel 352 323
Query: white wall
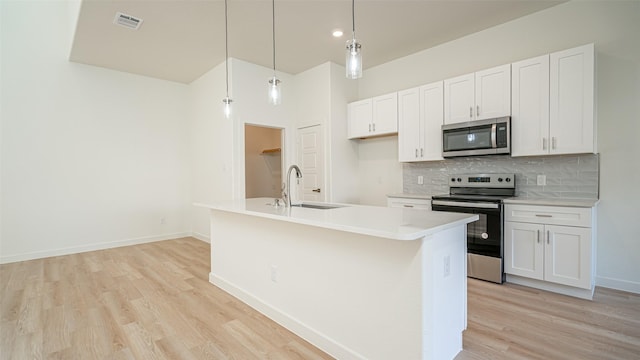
pixel 614 27
pixel 91 158
pixel 218 143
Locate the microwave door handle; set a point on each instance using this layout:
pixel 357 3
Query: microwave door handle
pixel 494 143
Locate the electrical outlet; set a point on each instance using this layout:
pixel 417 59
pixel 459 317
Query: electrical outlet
pixel 420 180
pixel 447 266
pixel 274 273
pixel 542 180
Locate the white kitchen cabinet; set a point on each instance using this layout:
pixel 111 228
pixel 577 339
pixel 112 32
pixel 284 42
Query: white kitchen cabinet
pixel 373 117
pixel 550 244
pixel 571 122
pixel 485 94
pixel 530 107
pixel 552 98
pixel 420 118
pixel 409 203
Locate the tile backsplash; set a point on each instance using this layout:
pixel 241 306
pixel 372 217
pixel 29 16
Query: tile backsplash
pixel 568 176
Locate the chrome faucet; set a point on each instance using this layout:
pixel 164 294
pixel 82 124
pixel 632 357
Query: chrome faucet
pixel 286 194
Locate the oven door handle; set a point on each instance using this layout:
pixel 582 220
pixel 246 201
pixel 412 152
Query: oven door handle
pixel 466 204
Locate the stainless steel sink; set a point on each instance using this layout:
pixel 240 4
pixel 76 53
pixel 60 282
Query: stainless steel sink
pixel 318 206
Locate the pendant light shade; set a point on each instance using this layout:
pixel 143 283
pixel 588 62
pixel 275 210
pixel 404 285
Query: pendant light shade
pixel 274 90
pixel 353 59
pixel 227 100
pixel 275 96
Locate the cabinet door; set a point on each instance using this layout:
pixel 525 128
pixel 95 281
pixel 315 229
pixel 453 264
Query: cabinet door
pixel 530 107
pixel 409 134
pixel 385 114
pixel 571 103
pixel 360 115
pixel 568 255
pixel 459 99
pixel 524 249
pixel 431 119
pixel 493 92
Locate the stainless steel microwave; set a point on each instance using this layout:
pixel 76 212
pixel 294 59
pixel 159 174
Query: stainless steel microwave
pixel 480 137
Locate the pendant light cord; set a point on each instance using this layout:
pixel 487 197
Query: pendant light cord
pixel 226 47
pixel 273 23
pixel 353 17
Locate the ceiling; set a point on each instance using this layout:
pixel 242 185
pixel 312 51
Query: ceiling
pixel 180 40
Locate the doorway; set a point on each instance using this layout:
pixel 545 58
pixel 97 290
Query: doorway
pixel 262 161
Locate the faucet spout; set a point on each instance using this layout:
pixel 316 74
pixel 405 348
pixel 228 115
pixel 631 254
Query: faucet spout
pixel 287 192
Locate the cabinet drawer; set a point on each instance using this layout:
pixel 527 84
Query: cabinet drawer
pixel 419 204
pixel 554 215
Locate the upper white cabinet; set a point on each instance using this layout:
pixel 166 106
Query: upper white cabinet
pixel 530 107
pixel 420 117
pixel 483 95
pixel 373 117
pixel 553 100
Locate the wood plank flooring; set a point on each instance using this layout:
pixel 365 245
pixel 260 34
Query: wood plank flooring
pixel 154 301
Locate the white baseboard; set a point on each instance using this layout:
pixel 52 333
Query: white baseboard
pixel 552 287
pixel 617 284
pixel 201 237
pixel 316 338
pixel 89 247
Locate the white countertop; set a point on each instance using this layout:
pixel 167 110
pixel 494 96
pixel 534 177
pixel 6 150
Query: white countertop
pixel 384 222
pixel 553 202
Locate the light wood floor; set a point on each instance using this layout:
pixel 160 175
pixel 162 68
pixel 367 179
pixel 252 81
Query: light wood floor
pixel 154 301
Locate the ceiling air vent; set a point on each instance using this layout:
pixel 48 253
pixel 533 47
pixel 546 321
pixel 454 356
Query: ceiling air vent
pixel 127 21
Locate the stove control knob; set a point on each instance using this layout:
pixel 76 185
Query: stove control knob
pixel 459 180
pixel 453 179
pixel 508 179
pixel 499 179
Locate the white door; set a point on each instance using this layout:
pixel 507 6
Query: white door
pixel 568 255
pixel 524 249
pixel 459 98
pixel 432 117
pixel 360 117
pixel 311 163
pixel 571 103
pixel 493 92
pixel 409 137
pixel 385 114
pixel 530 107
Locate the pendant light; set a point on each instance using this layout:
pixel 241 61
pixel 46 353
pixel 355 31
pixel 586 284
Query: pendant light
pixel 354 54
pixel 227 100
pixel 275 94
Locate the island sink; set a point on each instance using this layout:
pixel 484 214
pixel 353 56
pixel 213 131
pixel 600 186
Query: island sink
pixel 318 206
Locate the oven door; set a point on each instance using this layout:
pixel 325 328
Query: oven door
pixel 484 236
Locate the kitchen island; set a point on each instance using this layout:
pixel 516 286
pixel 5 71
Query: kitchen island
pixel 358 282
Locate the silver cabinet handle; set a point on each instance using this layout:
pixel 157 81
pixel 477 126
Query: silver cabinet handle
pixel 548 236
pixel 478 110
pixel 544 215
pixel 421 152
pixel 316 190
pixel 374 126
pixel 369 127
pixel 416 152
pixel 544 143
pixel 408 206
pixel 471 111
pixel 554 143
pixel 538 236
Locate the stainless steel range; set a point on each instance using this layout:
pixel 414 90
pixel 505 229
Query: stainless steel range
pixel 480 194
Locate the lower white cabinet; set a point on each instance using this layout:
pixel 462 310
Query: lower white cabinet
pixel 410 203
pixel 551 244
